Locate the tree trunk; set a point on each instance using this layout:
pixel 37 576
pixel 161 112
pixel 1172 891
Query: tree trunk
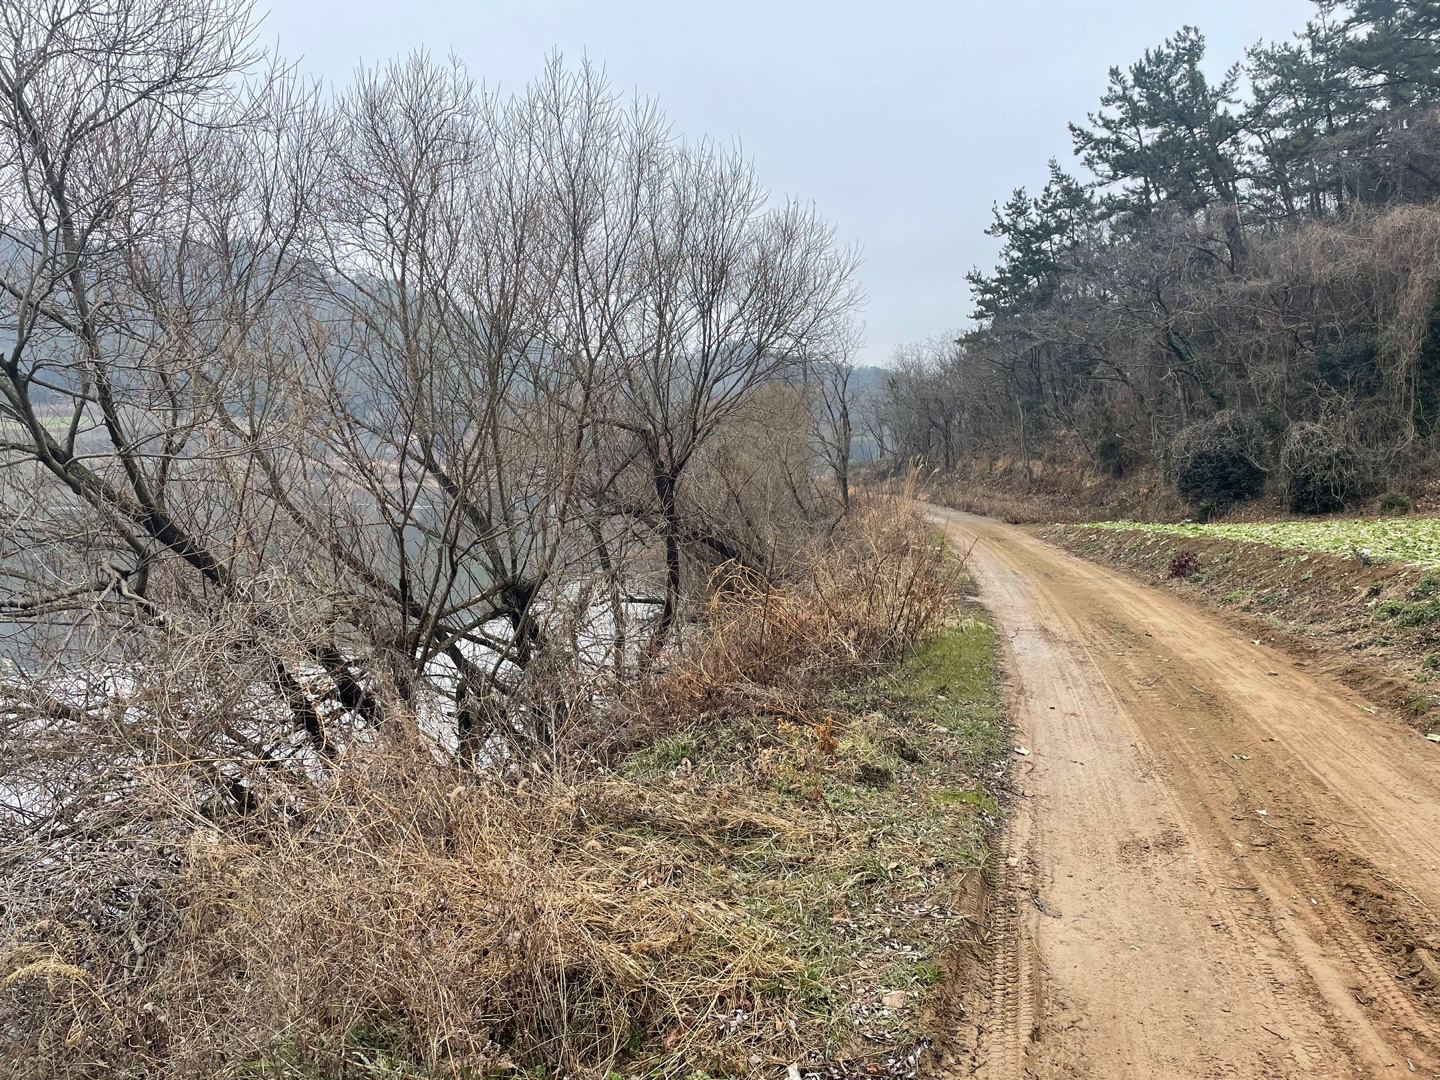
pixel 1235 237
pixel 665 483
pixel 1024 445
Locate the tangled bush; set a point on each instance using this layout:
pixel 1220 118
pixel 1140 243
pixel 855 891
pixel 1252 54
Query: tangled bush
pixel 1219 461
pixel 1184 565
pixel 1321 474
pixel 1114 456
pixel 879 587
pixel 1393 502
pixel 405 916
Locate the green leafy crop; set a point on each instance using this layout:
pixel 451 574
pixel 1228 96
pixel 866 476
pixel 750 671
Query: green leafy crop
pixel 1412 540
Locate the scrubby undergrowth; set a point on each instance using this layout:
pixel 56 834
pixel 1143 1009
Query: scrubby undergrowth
pixel 775 865
pixel 1219 462
pixel 1050 491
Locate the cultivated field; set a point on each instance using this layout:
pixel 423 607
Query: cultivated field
pixel 1402 539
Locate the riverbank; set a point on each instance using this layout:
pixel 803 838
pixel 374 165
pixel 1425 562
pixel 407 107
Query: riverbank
pixel 775 855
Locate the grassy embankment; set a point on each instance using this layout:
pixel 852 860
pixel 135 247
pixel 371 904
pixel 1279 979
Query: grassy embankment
pixel 864 871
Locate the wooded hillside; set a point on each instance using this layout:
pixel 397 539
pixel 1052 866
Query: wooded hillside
pixel 1263 243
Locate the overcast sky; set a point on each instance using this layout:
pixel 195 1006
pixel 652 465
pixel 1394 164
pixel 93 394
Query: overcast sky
pixel 904 121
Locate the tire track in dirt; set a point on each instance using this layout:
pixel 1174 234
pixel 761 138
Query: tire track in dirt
pixel 1224 860
pixel 1010 1022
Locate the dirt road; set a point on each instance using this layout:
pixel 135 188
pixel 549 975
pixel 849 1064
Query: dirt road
pixel 1221 862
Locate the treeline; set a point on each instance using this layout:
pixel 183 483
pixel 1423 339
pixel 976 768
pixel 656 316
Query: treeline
pixel 1261 248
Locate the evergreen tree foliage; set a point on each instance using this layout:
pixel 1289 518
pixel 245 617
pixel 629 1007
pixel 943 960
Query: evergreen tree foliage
pixel 1303 93
pixel 1041 238
pixel 1393 50
pixel 1164 134
pixel 1261 245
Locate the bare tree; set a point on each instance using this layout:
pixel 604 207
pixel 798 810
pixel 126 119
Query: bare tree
pixel 827 380
pixel 344 408
pixel 153 204
pixel 732 295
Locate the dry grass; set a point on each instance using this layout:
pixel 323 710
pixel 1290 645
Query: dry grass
pixel 739 891
pixel 434 924
pixel 873 591
pixel 1054 491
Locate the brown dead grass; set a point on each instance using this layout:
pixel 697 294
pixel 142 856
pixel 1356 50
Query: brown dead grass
pixel 1053 491
pixel 838 614
pixel 693 907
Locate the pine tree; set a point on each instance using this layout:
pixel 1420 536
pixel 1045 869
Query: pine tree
pixel 1393 48
pixel 1164 135
pixel 1303 94
pixel 1041 237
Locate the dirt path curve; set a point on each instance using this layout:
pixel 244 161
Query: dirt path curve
pixel 1221 863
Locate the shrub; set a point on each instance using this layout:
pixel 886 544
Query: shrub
pixel 1184 565
pixel 1114 456
pixel 1321 474
pixel 1392 502
pixel 1350 365
pixel 878 588
pixel 1219 461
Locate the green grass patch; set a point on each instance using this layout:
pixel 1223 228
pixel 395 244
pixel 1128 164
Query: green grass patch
pixel 1410 613
pixel 876 804
pixel 979 798
pixel 1426 588
pixel 663 756
pixel 953 682
pixel 959 663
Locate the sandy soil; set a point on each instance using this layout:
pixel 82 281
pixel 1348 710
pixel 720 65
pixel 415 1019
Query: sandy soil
pixel 1221 863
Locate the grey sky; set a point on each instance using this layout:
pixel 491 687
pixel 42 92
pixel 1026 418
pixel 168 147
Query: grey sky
pixel 903 121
